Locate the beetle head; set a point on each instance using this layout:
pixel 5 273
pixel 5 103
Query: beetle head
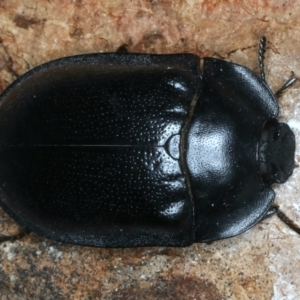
pixel 276 152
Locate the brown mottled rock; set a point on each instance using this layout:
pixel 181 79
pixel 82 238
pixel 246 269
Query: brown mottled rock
pixel 263 263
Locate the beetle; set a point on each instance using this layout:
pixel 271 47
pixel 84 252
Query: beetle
pixel 126 149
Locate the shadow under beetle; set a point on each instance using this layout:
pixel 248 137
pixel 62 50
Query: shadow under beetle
pixel 122 150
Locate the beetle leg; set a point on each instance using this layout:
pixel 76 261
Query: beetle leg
pixel 274 209
pixel 13 238
pixel 286 85
pixel 261 57
pixel 122 49
pixel 271 211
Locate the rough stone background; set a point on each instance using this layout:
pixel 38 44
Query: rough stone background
pixel 263 263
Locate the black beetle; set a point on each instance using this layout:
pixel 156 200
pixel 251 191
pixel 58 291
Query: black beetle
pixel 122 150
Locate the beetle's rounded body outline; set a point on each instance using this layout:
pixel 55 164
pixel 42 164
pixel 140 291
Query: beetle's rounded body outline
pixel 122 150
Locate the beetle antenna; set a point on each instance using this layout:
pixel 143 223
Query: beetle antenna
pixel 286 85
pixel 261 56
pixel 261 59
pixel 285 219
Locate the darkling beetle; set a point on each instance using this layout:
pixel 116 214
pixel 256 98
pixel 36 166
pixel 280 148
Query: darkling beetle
pixel 123 150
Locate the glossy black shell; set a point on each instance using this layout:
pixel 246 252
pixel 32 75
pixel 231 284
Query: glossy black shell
pixel 121 150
